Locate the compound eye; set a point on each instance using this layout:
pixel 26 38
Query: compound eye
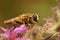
pixel 35 18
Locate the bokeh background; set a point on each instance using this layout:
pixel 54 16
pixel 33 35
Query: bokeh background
pixel 13 8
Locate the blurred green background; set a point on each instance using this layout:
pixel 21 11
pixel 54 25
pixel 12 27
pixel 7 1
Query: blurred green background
pixel 12 8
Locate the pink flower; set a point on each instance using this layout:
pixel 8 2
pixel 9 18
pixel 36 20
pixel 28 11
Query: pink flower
pixel 5 34
pixel 56 12
pixel 48 20
pixel 4 30
pixel 50 24
pixel 20 29
pixel 12 34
